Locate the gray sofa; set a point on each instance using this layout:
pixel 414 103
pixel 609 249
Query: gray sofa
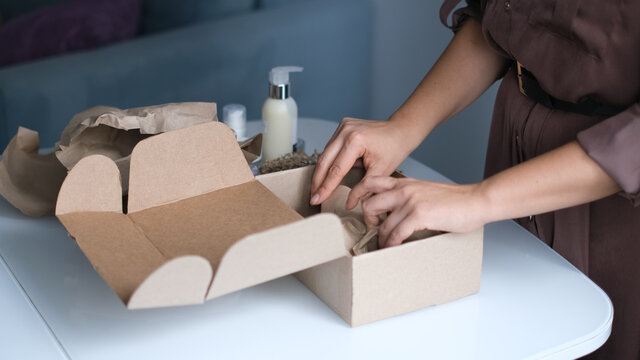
pixel 223 60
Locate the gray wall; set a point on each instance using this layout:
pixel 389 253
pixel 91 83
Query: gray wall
pixel 408 39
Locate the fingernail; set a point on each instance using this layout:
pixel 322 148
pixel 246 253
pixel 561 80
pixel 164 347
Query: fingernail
pixel 314 199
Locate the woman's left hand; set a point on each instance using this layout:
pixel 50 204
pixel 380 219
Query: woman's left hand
pixel 417 205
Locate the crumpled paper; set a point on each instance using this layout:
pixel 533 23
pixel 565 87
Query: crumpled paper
pixel 251 148
pixel 360 240
pixel 28 180
pixel 114 132
pixel 31 182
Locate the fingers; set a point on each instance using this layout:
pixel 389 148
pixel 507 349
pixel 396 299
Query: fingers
pixel 324 162
pixel 397 216
pixel 369 185
pixel 338 130
pixel 380 204
pixel 337 170
pixel 403 230
pixel 328 155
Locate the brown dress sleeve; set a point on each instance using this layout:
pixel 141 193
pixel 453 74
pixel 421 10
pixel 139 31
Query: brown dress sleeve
pixel 473 9
pixel 614 144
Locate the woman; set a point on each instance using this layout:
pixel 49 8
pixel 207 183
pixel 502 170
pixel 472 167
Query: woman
pixel 564 149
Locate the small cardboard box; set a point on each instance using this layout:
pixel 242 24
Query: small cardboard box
pixel 386 282
pixel 198 225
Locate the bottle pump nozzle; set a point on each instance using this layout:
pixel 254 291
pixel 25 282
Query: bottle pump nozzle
pixel 279 81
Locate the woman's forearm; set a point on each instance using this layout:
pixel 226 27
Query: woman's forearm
pixel 558 179
pixel 561 178
pixel 464 71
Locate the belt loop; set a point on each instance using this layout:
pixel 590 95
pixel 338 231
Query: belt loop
pixel 519 69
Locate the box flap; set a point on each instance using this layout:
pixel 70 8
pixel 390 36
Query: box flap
pixel 181 281
pixel 90 207
pixel 210 224
pixel 206 157
pixel 278 252
pixel 199 225
pixel 94 186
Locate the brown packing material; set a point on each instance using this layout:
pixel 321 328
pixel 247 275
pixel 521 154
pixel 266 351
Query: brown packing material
pixel 198 224
pixel 390 281
pixel 251 148
pixel 114 132
pixel 30 181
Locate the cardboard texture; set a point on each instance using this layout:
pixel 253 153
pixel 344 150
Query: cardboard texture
pixel 114 132
pixel 198 223
pixel 430 269
pixel 31 181
pixel 360 238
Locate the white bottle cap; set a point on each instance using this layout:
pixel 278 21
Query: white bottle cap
pixel 280 75
pixel 235 116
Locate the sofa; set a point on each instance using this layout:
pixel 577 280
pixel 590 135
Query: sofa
pixel 225 59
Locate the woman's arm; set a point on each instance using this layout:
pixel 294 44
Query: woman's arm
pixel 561 178
pixel 464 71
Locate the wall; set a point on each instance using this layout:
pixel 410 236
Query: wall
pixel 408 39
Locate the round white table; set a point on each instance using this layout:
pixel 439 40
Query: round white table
pixel 532 304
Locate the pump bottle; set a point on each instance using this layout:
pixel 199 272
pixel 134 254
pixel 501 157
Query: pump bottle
pixel 280 115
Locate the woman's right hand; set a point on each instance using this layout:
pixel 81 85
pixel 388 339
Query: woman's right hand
pixel 379 146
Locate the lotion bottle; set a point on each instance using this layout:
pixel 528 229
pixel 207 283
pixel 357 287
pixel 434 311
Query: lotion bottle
pixel 280 115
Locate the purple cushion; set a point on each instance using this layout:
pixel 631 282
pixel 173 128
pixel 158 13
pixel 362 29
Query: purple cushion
pixel 68 26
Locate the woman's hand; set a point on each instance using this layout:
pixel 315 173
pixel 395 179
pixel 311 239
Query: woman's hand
pixel 417 205
pixel 561 178
pixel 452 84
pixel 379 146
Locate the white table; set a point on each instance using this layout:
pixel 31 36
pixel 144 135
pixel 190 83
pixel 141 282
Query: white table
pixel 23 332
pixel 532 304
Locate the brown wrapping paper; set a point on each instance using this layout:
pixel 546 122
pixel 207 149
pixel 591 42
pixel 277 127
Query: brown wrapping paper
pixel 251 148
pixel 30 181
pixel 113 132
pixel 360 239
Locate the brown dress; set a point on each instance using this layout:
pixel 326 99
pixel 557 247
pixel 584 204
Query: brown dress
pixel 576 49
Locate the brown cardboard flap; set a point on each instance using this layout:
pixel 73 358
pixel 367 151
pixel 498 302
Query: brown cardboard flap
pixel 278 252
pixel 195 211
pixel 209 224
pixel 291 186
pixel 90 207
pixel 118 251
pixel 181 281
pixel 185 163
pixel 294 186
pixel 92 185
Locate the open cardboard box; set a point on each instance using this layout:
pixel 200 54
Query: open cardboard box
pixel 198 225
pixel 385 282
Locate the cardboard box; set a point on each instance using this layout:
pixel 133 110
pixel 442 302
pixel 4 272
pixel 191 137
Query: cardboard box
pixel 198 225
pixel 386 282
